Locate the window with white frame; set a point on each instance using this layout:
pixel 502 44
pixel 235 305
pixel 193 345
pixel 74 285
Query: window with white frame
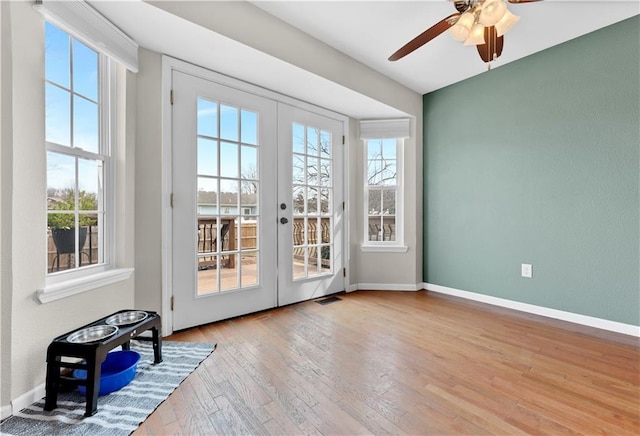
pixel 383 191
pixel 77 102
pixel 383 142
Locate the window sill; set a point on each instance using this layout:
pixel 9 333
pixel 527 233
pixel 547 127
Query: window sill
pixel 71 287
pixel 384 248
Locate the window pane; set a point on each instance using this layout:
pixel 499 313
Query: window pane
pixel 374 202
pixel 57 56
pixel 313 165
pixel 88 184
pixel 228 159
pixel 374 149
pixel 325 258
pixel 312 200
pixel 228 123
pixel 298 138
pixel 312 141
pixel 388 173
pixel 249 200
pixel 299 262
pixel 298 200
pixel 85 124
pixel 374 172
pixel 325 172
pixel 89 243
pixel 298 169
pixel 207 157
pixel 375 229
pixel 85 71
pixel 325 230
pixel 249 163
pixel 325 201
pixel 207 274
pixel 207 196
pixel 249 127
pixel 325 144
pixel 389 229
pixel 389 148
pixel 229 190
pixel 389 202
pixel 207 118
pixel 57 115
pixel 61 171
pixel 249 269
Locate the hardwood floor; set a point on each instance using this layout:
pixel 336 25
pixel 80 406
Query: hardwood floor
pixel 404 363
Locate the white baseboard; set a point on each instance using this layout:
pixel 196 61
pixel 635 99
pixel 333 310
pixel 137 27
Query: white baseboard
pixel 5 412
pixel 604 324
pixel 386 287
pixel 27 399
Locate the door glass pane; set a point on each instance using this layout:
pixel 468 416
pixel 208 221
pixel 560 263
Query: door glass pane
pixel 228 159
pixel 311 187
pixel 207 157
pixel 249 269
pixel 299 263
pixel 207 118
pixel 228 123
pixel 298 138
pixel 249 127
pixel 229 272
pixel 228 197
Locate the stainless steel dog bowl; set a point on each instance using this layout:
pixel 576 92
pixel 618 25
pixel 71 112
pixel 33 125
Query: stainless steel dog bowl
pixel 92 334
pixel 126 318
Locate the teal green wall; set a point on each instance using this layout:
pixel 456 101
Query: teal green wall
pixel 538 162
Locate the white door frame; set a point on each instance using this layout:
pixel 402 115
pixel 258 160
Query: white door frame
pixel 169 65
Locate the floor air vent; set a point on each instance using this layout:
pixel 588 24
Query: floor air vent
pixel 328 300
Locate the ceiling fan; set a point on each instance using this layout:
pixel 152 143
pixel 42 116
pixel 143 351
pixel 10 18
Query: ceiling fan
pixel 482 23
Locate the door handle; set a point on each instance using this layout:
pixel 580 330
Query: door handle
pixel 283 220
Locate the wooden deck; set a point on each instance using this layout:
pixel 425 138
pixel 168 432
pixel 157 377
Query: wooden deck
pixel 404 363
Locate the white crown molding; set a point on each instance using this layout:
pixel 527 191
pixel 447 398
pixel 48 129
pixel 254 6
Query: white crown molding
pixel 603 324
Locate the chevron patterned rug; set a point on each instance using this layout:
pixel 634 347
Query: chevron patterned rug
pixel 120 412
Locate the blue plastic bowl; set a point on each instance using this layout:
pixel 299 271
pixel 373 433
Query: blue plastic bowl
pixel 117 371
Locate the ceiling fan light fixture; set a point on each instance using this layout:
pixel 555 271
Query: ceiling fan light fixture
pixel 460 30
pixel 476 36
pixel 491 12
pixel 506 23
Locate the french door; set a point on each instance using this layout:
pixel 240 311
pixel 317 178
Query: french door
pixel 257 203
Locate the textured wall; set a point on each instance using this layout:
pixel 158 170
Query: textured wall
pixel 537 162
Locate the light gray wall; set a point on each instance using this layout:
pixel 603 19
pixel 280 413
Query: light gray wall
pixel 148 185
pixel 540 165
pixel 5 203
pixel 34 325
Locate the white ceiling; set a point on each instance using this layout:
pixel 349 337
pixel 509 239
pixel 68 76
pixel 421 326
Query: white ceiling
pixel 370 31
pixel 366 30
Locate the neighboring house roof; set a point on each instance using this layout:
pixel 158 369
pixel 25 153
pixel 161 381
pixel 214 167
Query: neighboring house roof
pixel 226 199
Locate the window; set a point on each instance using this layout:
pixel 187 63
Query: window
pixel 79 182
pixel 383 192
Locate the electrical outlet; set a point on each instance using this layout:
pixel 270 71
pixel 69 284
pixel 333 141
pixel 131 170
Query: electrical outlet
pixel 527 270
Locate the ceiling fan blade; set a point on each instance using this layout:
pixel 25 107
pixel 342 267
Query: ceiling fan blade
pixel 492 47
pixel 515 2
pixel 425 37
